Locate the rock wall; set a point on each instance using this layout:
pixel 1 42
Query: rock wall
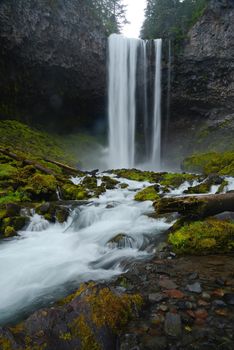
pixel 52 63
pixel 203 84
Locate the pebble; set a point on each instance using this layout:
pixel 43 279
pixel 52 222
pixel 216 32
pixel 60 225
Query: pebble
pixel 173 324
pixel 167 284
pixel 157 297
pixel 229 298
pixel 174 294
pixel 194 288
pixel 201 314
pixel 163 308
pixel 219 303
pixel 205 296
pixel 193 276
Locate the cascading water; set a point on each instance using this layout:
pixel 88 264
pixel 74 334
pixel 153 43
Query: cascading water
pixel 129 70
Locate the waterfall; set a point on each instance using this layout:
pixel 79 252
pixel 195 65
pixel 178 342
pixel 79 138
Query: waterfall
pixel 129 70
pixel 156 148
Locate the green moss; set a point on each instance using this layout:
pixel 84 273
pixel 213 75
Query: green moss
pixel 7 171
pixel 176 179
pixel 109 183
pixel 201 188
pixel 14 197
pixel 9 232
pixel 138 175
pixel 222 186
pixel 147 194
pixel 33 142
pixel 5 344
pixel 81 329
pixel 209 163
pixel 201 237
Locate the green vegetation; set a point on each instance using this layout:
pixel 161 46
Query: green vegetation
pixel 209 163
pixel 171 18
pixel 202 237
pixel 147 194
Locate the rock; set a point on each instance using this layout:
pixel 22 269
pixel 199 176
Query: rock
pixel 120 241
pixel 193 276
pixel 174 294
pixel 172 325
pixel 205 296
pixel 60 50
pixel 159 343
pixel 156 297
pixel 201 314
pixel 163 307
pixel 12 209
pixel 229 298
pixel 219 303
pixel 167 284
pixel 194 288
pixel 218 293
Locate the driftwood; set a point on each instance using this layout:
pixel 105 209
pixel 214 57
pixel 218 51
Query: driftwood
pixel 26 161
pixel 67 168
pixel 196 207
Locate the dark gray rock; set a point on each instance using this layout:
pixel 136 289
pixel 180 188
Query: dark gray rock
pixel 229 298
pixel 53 62
pixel 173 325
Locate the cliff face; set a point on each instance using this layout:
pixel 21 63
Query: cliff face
pixel 52 63
pixel 203 81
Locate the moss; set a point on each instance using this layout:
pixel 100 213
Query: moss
pixel 9 232
pixel 81 329
pixel 6 171
pixel 90 182
pixel 109 183
pixel 222 186
pixel 201 188
pixel 209 163
pixel 147 194
pixel 33 142
pixel 201 237
pixel 112 310
pixel 73 192
pixel 5 344
pixel 16 222
pixel 176 179
pixel 138 175
pixel 14 197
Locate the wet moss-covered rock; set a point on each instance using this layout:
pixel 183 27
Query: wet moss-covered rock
pixel 53 212
pixel 209 163
pixel 10 225
pixel 147 194
pixel 138 175
pixel 109 182
pixel 176 179
pixel 99 315
pixel 74 192
pixel 202 237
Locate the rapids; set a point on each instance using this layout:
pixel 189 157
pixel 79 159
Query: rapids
pixel 47 260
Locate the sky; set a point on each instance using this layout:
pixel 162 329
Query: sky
pixel 135 15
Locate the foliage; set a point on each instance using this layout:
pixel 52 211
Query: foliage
pixel 209 236
pixel 209 163
pixel 111 13
pixel 171 18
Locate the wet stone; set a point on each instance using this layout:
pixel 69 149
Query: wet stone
pixel 193 276
pixel 205 296
pixel 219 303
pixel 167 284
pixel 194 288
pixel 173 324
pixel 229 298
pixel 157 297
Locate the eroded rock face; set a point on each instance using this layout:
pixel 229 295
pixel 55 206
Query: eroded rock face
pixel 53 61
pixel 203 82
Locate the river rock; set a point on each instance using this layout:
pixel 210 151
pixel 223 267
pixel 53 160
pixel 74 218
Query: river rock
pixel 167 284
pixel 173 324
pixel 229 298
pixel 194 288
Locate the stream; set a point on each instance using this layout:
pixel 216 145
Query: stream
pixel 47 261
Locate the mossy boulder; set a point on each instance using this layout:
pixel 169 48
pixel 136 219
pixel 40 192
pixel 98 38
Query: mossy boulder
pixel 147 194
pixel 210 163
pixel 53 212
pixel 74 192
pixel 174 180
pixel 42 187
pixel 138 175
pixel 7 171
pixel 109 182
pixel 99 315
pixel 203 237
pixel 10 225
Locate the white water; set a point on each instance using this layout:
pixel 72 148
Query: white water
pixel 122 106
pixel 38 266
pixel 156 148
pixel 124 67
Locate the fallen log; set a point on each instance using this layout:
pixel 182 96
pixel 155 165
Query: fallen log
pixel 196 207
pixel 66 167
pixel 26 161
